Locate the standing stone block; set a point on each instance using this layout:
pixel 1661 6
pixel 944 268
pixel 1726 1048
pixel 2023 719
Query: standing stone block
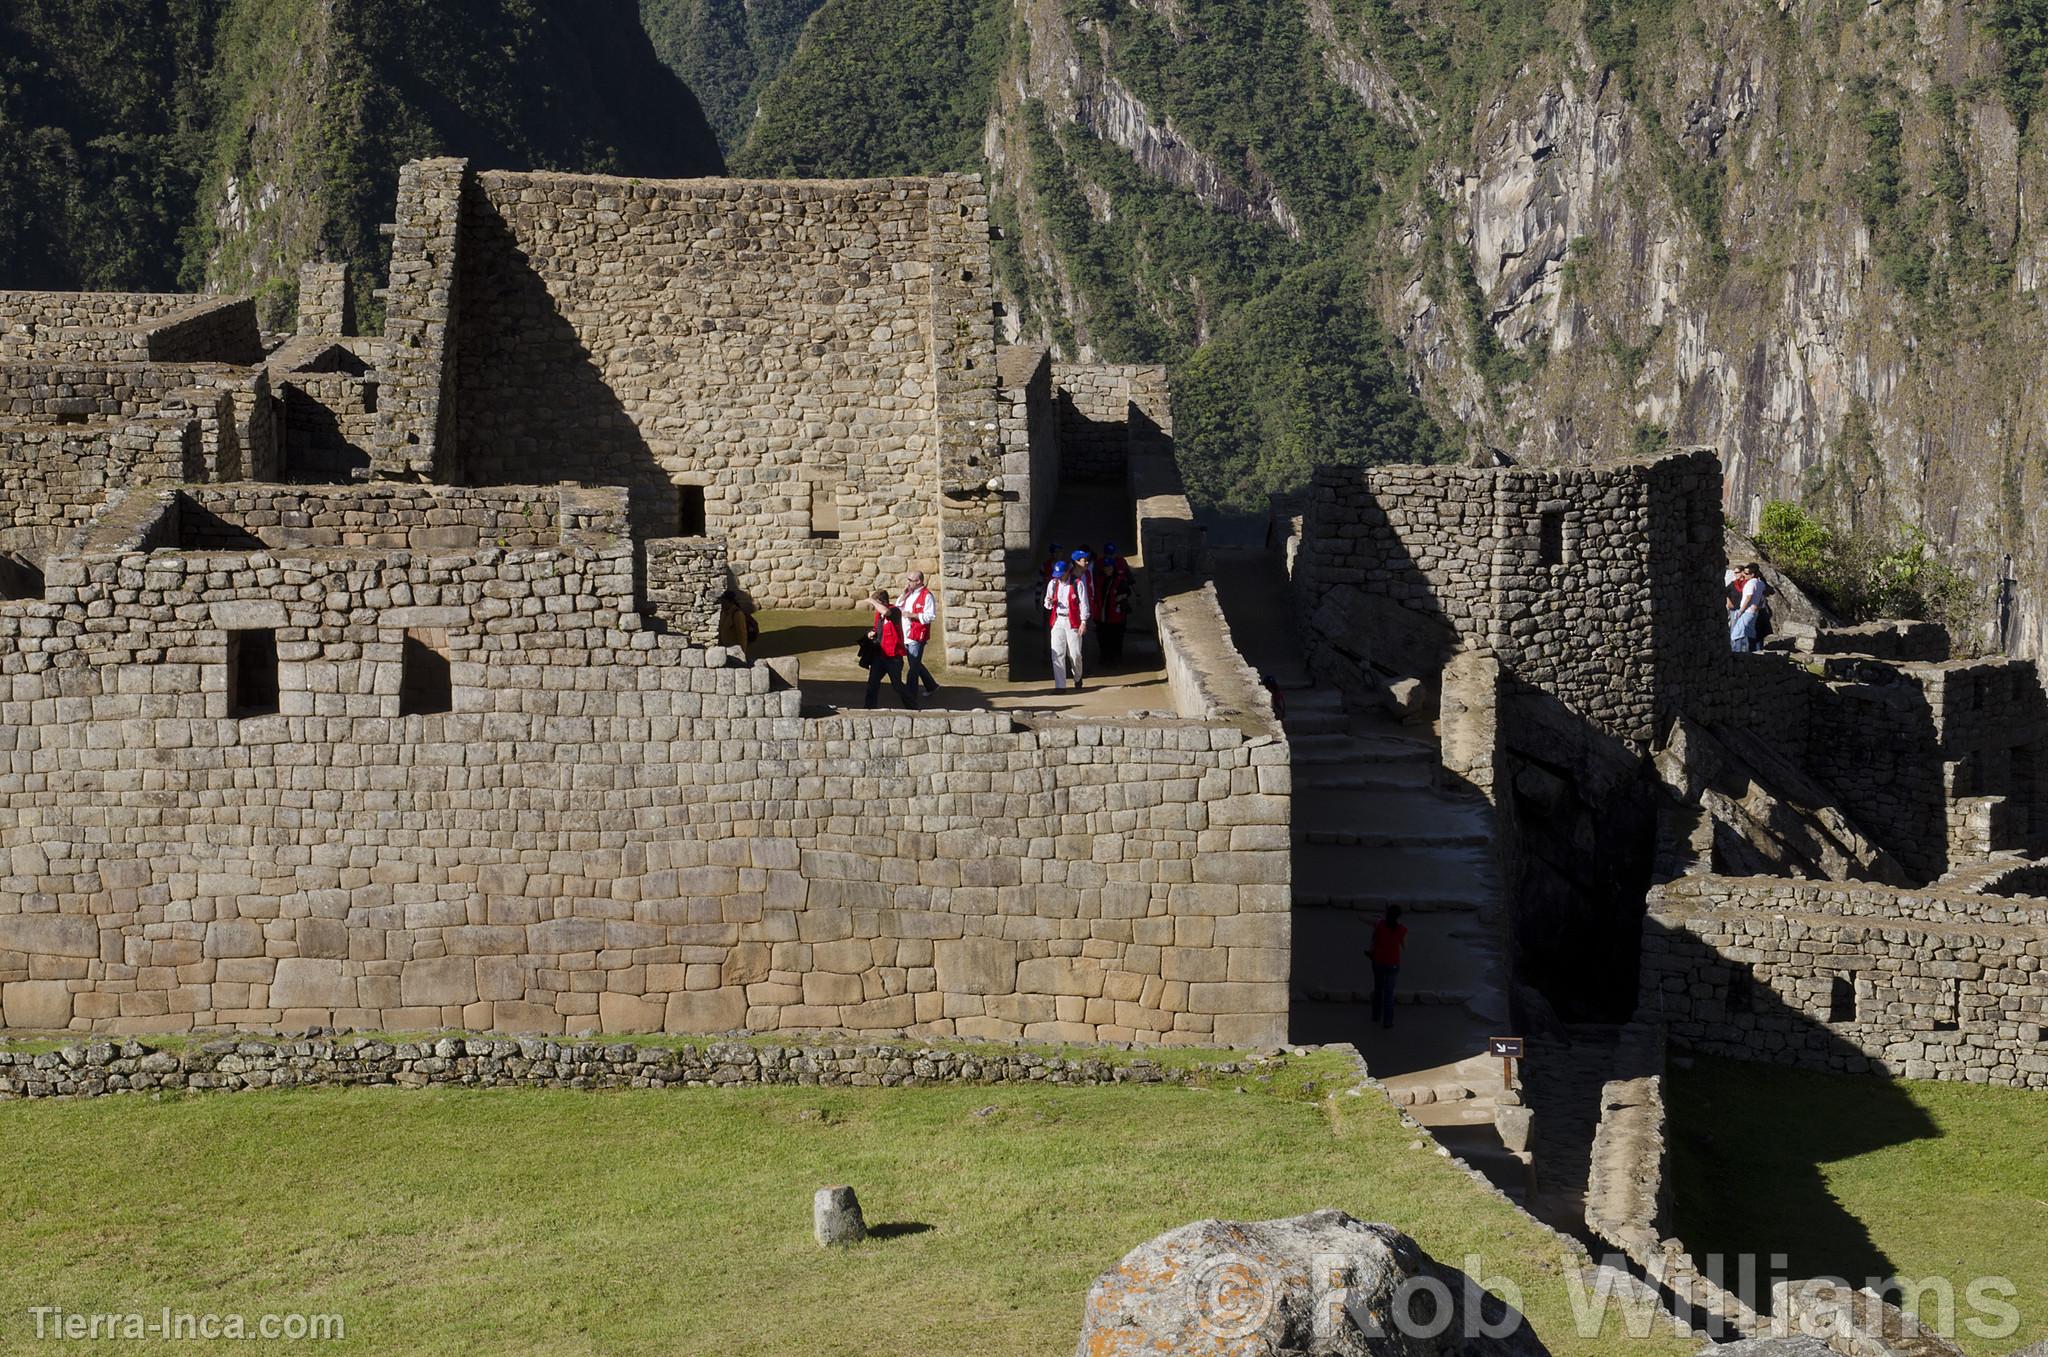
pixel 836 1217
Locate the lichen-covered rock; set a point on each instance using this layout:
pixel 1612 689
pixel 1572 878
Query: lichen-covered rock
pixel 1319 1285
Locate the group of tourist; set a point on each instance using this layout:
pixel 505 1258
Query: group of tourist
pixel 1085 596
pixel 1749 608
pixel 894 648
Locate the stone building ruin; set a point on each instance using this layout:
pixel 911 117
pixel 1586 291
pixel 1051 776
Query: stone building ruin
pixel 372 681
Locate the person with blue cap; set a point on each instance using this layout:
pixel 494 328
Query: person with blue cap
pixel 1068 610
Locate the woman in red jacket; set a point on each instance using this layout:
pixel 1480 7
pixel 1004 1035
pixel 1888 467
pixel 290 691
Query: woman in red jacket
pixel 885 660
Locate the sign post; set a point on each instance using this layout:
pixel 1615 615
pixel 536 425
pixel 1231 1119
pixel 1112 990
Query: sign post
pixel 1509 1049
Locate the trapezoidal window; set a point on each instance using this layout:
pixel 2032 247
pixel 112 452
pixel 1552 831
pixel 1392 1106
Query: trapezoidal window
pixel 252 672
pixel 1842 998
pixel 825 510
pixel 1954 1006
pixel 1550 537
pixel 690 511
pixel 426 684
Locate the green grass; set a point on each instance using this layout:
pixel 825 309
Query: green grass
pixel 521 1221
pixel 1861 1178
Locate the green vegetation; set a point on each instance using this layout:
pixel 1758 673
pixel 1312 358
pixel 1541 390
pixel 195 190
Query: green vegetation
pixel 727 52
pixel 1300 378
pixel 102 135
pixel 2021 28
pixel 451 1221
pixel 1862 575
pixel 880 87
pixel 123 122
pixel 1863 1178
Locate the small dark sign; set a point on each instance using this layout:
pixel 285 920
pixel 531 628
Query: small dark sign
pixel 1507 1048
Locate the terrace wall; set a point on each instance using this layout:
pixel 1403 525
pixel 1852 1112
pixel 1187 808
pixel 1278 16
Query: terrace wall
pixel 611 830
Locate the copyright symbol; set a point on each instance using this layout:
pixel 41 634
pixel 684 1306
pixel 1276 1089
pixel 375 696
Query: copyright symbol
pixel 1234 1295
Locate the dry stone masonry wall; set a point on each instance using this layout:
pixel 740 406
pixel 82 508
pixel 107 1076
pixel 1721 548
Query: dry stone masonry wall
pixel 1853 978
pixel 1588 585
pixel 606 828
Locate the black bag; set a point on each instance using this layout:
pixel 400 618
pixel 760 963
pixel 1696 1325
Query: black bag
pixel 870 653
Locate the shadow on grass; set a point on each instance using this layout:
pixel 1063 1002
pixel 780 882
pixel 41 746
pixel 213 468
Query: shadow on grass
pixel 895 1229
pixel 1747 1145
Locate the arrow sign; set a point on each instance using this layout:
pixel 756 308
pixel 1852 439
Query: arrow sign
pixel 1507 1048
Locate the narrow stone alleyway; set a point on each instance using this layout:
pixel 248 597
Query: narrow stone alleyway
pixel 1376 824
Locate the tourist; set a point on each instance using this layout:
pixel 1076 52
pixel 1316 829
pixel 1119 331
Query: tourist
pixel 1389 936
pixel 920 610
pixel 883 652
pixel 1067 614
pixel 1054 556
pixel 1081 565
pixel 737 628
pixel 1744 619
pixel 1112 604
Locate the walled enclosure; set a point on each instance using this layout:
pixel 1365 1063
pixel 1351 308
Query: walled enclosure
pixel 815 360
pixel 1927 984
pixel 405 754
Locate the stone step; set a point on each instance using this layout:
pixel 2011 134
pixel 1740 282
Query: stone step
pixel 1385 816
pixel 1463 1112
pixel 1345 877
pixel 1345 746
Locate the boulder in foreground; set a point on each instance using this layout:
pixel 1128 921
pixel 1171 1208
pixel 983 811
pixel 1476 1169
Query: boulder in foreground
pixel 1319 1285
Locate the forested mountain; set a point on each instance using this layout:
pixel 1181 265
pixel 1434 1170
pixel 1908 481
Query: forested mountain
pixel 168 143
pixel 1808 232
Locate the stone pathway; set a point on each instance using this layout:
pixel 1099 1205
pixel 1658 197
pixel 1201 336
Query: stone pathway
pixel 1376 824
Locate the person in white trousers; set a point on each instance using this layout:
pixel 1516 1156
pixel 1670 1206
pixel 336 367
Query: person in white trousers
pixel 1069 610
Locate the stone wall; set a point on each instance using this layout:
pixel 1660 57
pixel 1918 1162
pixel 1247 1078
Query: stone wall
pixel 78 325
pixel 98 1068
pixel 327 307
pixel 415 437
pixel 211 330
pixel 1598 589
pixel 686 576
pixel 1031 453
pixel 833 398
pixel 608 829
pixel 1858 978
pixel 1940 762
pixel 1105 410
pixel 330 423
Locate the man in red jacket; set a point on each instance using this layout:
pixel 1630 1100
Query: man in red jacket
pixel 1068 611
pixel 1389 937
pixel 1112 603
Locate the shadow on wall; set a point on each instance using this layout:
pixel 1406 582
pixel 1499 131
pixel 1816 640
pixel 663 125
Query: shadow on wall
pixel 1748 1142
pixel 1578 816
pixel 508 317
pixel 1576 805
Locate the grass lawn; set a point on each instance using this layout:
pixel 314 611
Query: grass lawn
pixel 513 1221
pixel 1860 1178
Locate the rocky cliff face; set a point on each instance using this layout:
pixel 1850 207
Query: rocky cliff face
pixel 1806 233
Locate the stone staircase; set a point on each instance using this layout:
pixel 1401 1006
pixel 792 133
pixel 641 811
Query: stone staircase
pixel 1376 822
pixel 1374 826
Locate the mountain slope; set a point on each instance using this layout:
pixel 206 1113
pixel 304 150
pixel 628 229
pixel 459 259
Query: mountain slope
pixel 726 51
pixel 288 120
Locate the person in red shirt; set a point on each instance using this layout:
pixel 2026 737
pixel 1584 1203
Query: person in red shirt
pixel 885 660
pixel 1112 604
pixel 1388 938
